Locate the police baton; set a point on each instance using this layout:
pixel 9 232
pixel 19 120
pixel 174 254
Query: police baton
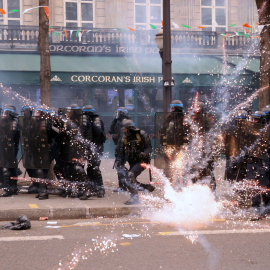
pixel 150 174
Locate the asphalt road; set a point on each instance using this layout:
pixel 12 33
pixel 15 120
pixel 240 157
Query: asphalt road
pixel 131 243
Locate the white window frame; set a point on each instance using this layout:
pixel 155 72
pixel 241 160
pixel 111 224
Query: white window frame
pixel 5 16
pixel 148 5
pixel 79 12
pixel 214 7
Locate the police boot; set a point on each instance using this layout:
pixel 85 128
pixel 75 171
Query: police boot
pixel 86 195
pixel 43 196
pixel 147 187
pixel 101 192
pixel 8 193
pixel 134 199
pixel 119 189
pixel 43 192
pixel 33 188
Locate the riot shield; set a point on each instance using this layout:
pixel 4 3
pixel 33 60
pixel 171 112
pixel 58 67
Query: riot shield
pixel 170 135
pixel 34 141
pixel 257 140
pixel 7 149
pixel 73 147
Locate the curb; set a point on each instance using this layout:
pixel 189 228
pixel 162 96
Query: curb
pixel 70 213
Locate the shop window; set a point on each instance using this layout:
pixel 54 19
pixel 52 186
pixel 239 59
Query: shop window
pixel 147 12
pixel 12 18
pixel 79 13
pixel 109 100
pixel 149 100
pixel 213 15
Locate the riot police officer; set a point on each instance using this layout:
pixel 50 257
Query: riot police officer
pixel 35 139
pixel 173 135
pixel 266 110
pixel 9 149
pixel 258 160
pixel 234 146
pixel 73 152
pixel 116 131
pixel 134 148
pixel 202 144
pixel 93 131
pixel 1 169
pixel 28 111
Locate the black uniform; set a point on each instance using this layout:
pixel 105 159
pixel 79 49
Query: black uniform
pixel 134 148
pixel 35 139
pixel 258 160
pixel 1 169
pixel 93 131
pixel 117 133
pixel 73 153
pixel 10 137
pixel 235 136
pixel 203 145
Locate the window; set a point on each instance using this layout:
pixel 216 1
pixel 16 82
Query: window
pixel 147 12
pixel 79 13
pixel 213 15
pixel 12 18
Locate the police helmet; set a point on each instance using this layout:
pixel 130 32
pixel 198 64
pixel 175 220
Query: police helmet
pixel 73 107
pixel 127 123
pixel 9 110
pixel 241 114
pixel 88 109
pixel 27 110
pixel 266 110
pixel 51 110
pixel 73 112
pixel 247 109
pixel 258 117
pixel 39 111
pixel 176 106
pixel 121 112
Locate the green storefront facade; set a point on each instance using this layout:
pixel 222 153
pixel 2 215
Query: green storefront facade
pixel 133 81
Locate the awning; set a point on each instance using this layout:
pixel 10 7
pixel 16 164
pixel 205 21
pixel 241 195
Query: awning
pixel 187 69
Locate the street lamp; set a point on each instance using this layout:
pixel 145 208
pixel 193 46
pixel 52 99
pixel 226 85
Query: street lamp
pixel 163 40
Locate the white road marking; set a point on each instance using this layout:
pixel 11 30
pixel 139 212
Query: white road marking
pixel 215 232
pixel 31 238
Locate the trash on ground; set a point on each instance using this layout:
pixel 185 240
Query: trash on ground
pixel 22 223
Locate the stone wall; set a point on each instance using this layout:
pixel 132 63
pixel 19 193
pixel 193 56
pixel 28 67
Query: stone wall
pixel 120 13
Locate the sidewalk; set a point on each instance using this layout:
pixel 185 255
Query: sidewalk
pixel 56 207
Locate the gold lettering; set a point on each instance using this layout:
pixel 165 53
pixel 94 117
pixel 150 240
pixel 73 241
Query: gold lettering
pixel 73 78
pixel 119 79
pixel 60 48
pixel 94 78
pixel 83 49
pixel 81 78
pixel 152 79
pixel 108 79
pixel 68 49
pixel 87 78
pixel 75 47
pixel 101 78
pixel 90 49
